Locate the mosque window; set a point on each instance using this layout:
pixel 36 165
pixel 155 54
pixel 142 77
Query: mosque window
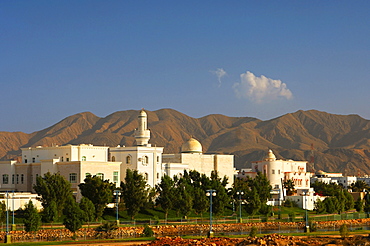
pixel 157 158
pixel 157 175
pixel 73 177
pixel 5 178
pixel 17 178
pixel 83 158
pixel 22 178
pixel 273 171
pixel 128 159
pixel 61 159
pixel 12 178
pixel 25 160
pixel 113 158
pixel 33 159
pixel 67 159
pixel 146 176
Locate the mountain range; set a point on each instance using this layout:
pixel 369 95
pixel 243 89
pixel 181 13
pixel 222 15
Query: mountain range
pixel 333 143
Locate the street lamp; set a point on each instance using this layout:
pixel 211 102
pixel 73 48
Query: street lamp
pixel 117 193
pixel 240 193
pixel 305 200
pixel 210 193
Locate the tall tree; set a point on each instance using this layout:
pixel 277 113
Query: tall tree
pixel 166 194
pixel 88 208
pixel 98 191
pixel 134 192
pixel 2 212
pixel 221 200
pixel 32 219
pixel 53 188
pixel 73 216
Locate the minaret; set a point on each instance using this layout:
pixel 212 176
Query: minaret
pixel 142 134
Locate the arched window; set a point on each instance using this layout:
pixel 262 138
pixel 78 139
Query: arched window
pixel 128 159
pixel 145 160
pixel 146 176
pixel 113 158
pixel 5 179
pixel 83 158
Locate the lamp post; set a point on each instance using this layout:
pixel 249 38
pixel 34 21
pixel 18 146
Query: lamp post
pixel 305 200
pixel 210 193
pixel 240 193
pixel 117 193
pixel 8 236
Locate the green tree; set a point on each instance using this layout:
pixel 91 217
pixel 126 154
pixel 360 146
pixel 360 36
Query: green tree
pixel 166 196
pixel 134 192
pixel 32 219
pixel 183 196
pixel 319 206
pixel 329 205
pixel 263 186
pixel 349 202
pixel 253 201
pixel 221 200
pixel 98 191
pixel 2 212
pixel 359 186
pixel 359 205
pixel 88 208
pixel 50 213
pixel 201 201
pixel 53 188
pixel 73 216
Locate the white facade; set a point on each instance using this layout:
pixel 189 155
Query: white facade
pixel 76 162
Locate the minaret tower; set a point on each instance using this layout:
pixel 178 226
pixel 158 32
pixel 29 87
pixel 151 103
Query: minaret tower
pixel 142 134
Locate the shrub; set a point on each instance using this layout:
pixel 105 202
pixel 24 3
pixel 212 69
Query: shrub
pixel 253 231
pixel 148 231
pixel 343 231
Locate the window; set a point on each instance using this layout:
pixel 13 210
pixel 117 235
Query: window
pixel 146 176
pixel 279 171
pixel 5 179
pixel 33 160
pixel 73 178
pixel 113 158
pixel 145 160
pixel 115 177
pixel 87 175
pixel 100 175
pixel 157 158
pixel 25 160
pixel 67 159
pixel 17 178
pixel 61 159
pixel 83 158
pixel 12 178
pixel 157 175
pixel 22 178
pixel 273 171
pixel 128 159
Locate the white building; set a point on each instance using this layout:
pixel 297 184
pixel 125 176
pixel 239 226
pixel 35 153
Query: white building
pixel 76 162
pixel 279 171
pixel 192 158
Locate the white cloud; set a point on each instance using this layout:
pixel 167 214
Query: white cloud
pixel 220 72
pixel 260 89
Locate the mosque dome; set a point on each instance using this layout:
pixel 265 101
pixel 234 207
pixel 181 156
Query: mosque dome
pixel 143 113
pixel 191 146
pixel 270 156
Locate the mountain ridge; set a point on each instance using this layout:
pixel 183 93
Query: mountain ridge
pixel 341 142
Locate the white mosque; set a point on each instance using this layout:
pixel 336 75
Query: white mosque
pixel 75 162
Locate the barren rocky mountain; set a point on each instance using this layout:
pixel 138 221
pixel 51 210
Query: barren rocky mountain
pixel 341 143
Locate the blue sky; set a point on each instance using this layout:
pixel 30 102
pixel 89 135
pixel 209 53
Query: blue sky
pixel 238 58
